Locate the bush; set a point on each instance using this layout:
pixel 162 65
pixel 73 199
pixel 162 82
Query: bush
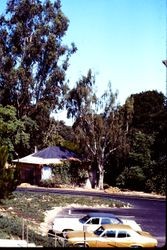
pixel 132 178
pixel 8 175
pixel 47 183
pixel 12 227
pixel 68 173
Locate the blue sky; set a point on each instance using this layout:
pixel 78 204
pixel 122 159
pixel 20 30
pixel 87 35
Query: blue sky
pixel 122 41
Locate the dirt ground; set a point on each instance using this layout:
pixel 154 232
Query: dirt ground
pixel 110 190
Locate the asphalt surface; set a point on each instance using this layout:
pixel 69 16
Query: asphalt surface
pixel 150 213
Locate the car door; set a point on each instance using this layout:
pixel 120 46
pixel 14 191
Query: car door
pixel 123 239
pixel 92 224
pixel 107 239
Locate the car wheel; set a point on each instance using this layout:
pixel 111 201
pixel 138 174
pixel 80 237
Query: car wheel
pixel 80 245
pixel 51 233
pixel 135 246
pixel 65 232
pixel 60 234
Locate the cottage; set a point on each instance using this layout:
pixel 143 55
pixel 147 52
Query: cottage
pixel 35 167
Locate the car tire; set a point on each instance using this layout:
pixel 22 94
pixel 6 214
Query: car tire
pixel 80 245
pixel 51 233
pixel 136 246
pixel 64 232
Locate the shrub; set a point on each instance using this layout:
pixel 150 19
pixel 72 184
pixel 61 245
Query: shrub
pixel 68 173
pixel 12 227
pixel 8 175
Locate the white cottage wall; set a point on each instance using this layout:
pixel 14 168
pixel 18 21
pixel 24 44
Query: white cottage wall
pixel 46 173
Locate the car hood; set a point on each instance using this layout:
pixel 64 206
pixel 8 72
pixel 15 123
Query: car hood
pixel 65 220
pixel 146 234
pixel 132 224
pixel 59 224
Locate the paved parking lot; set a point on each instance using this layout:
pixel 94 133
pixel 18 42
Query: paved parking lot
pixel 150 214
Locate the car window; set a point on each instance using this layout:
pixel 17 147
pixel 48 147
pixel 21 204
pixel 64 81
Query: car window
pixel 123 234
pixel 84 219
pixel 99 231
pixel 109 234
pixel 115 221
pixel 105 221
pixel 93 221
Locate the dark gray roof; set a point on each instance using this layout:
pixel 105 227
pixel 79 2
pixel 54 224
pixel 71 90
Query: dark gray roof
pixel 55 152
pixel 50 155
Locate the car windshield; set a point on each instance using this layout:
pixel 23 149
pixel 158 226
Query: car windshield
pixel 99 231
pixel 141 232
pixel 110 221
pixel 84 219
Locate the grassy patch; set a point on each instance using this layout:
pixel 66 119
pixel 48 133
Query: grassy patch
pixel 32 206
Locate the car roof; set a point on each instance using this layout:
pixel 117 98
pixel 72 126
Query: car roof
pixel 103 214
pixel 117 226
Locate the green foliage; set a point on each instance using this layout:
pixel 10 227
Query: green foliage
pixel 69 173
pixel 23 203
pixel 156 178
pixel 3 157
pixel 149 146
pixel 62 174
pixel 12 130
pixel 34 62
pixel 132 178
pixel 141 149
pixel 13 227
pixel 146 144
pixel 147 109
pixel 61 135
pixel 140 163
pixel 8 175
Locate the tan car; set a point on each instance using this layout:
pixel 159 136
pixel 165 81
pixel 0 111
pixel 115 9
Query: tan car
pixel 110 236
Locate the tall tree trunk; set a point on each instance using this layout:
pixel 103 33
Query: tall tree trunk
pixel 93 177
pixel 101 176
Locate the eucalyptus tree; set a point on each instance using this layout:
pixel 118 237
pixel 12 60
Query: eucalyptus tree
pixel 150 119
pixel 138 172
pixel 33 58
pixel 13 130
pixel 149 106
pixel 100 125
pixel 60 134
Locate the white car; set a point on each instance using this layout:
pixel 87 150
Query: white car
pixel 89 222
